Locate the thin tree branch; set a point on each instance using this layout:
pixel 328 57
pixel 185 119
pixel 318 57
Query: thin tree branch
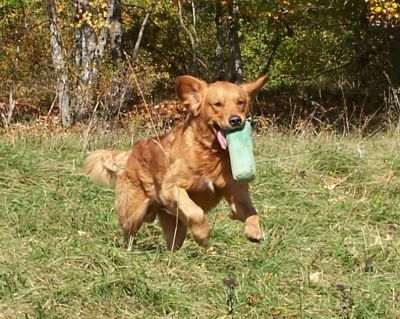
pixel 194 21
pixel 135 53
pixel 190 35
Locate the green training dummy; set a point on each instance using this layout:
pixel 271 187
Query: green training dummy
pixel 240 147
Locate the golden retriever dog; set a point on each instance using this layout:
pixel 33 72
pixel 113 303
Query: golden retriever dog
pixel 180 176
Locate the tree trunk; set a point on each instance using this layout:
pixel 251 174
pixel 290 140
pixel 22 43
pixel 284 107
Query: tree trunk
pixel 140 36
pixel 115 22
pixel 117 88
pixel 192 37
pixel 90 50
pixel 395 57
pixel 86 52
pixel 236 74
pixel 59 65
pixel 112 32
pixel 220 41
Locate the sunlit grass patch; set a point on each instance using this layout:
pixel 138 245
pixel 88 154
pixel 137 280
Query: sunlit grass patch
pixel 330 215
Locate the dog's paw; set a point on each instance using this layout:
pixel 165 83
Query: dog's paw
pixel 252 229
pixel 200 233
pixel 254 235
pixel 203 242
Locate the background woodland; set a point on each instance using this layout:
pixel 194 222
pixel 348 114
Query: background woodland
pixel 334 63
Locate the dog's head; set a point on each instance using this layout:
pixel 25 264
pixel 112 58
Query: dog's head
pixel 222 105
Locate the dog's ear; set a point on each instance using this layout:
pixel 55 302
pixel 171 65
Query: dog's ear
pixel 190 91
pixel 253 87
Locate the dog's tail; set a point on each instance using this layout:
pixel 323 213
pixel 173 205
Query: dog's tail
pixel 103 166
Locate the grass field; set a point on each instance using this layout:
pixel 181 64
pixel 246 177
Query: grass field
pixel 330 208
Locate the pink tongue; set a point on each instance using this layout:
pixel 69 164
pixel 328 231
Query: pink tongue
pixel 222 140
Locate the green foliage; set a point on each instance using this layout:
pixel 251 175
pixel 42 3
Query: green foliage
pixel 384 12
pixel 328 46
pixel 15 3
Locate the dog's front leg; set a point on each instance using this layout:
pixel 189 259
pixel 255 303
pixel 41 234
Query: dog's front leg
pixel 177 200
pixel 238 197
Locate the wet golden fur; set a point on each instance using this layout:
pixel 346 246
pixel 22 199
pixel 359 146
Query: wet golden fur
pixel 180 176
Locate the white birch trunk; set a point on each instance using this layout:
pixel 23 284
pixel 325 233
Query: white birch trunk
pixel 135 53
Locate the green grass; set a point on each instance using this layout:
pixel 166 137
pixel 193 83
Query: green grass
pixel 330 208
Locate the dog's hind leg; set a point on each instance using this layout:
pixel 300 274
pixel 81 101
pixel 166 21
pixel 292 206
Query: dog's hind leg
pixel 132 205
pixel 174 230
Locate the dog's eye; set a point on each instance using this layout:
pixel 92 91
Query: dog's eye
pixel 240 102
pixel 218 104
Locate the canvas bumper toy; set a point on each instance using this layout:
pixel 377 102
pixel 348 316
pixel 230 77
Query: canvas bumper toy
pixel 240 147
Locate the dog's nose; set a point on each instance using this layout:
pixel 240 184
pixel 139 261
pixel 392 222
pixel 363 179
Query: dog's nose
pixel 235 121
